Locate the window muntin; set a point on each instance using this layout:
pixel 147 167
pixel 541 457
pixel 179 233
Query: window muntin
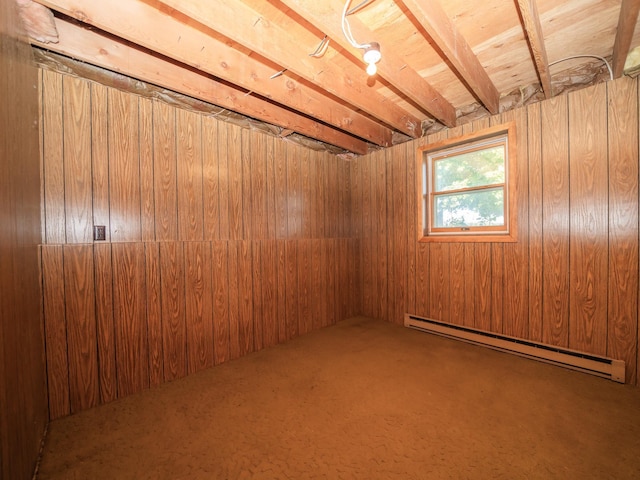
pixel 466 190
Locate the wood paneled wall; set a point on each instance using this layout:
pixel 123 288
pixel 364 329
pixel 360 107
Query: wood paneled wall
pixel 570 280
pixel 23 403
pixel 220 241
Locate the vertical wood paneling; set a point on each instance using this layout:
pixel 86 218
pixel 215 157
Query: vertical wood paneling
pixel 234 302
pixel 269 288
pixel 124 167
pixel 622 338
pixel 280 190
pixel 534 155
pixel 270 186
pixel 146 146
pixel 234 180
pixel 105 322
pixel 247 207
pixel 458 293
pixel 330 258
pixel 281 289
pixel 412 234
pixel 172 293
pixel 469 285
pixel 53 158
pixel 154 314
pixel 294 192
pixel 555 241
pixel 317 274
pixel 76 108
pixel 439 302
pixel 164 172
pixel 245 297
pixel 210 178
pixel 223 180
pixel 305 194
pixel 220 301
pixel 258 194
pixel 259 319
pixel 291 296
pixel 321 195
pixel 81 327
pixel 100 156
pixel 55 331
pixel 497 287
pixel 391 248
pixel 198 305
pixel 189 159
pixel 312 211
pixel 304 287
pixel 130 318
pixel 588 186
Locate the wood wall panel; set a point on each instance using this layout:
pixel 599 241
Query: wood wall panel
pixel 80 317
pixel 218 241
pixel 622 312
pixel 555 221
pixel 124 167
pixel 76 111
pixel 105 323
pixel 55 331
pixel 130 317
pixel 198 305
pixel 165 172
pixel 588 191
pixel 172 293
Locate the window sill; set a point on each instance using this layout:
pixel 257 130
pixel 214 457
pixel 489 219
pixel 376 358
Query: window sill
pixel 503 238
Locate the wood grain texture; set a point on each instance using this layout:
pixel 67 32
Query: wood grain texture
pixel 439 306
pixel 81 327
pixel 172 292
pixel 55 331
pixel 269 296
pixel 130 317
pixel 220 301
pixel 622 315
pixel 234 181
pixel 281 289
pixel 124 167
pixel 294 192
pixel 103 280
pixel 234 301
pixel 165 172
pixel 53 157
pixel 412 234
pixel 189 172
pixel 555 242
pixel 245 297
pixel 588 190
pixel 400 231
pixel 497 287
pixel 223 180
pixel 210 178
pixel 280 189
pixel 76 118
pixel 100 156
pixel 457 281
pixel 154 313
pixel 146 147
pixel 198 305
pixel 305 194
pixel 247 194
pixel 270 186
pixel 259 214
pixel 534 153
pixel 305 322
pixel 291 296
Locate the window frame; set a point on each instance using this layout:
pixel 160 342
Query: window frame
pixel 426 196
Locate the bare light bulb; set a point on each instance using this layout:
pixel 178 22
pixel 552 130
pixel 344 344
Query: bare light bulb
pixel 371 69
pixel 372 56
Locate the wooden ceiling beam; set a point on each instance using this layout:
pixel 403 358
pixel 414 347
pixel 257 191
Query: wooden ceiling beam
pixel 283 42
pixel 445 35
pixel 327 17
pixel 144 25
pixel 533 30
pixel 117 55
pixel 624 34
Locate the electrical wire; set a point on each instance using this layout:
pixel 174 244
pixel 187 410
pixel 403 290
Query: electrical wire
pixel 346 28
pixel 587 56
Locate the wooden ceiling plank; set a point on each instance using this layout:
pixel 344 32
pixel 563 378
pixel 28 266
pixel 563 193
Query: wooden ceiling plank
pixel 533 29
pixel 116 55
pixel 455 48
pixel 326 16
pixel 273 40
pixel 146 26
pixel 624 34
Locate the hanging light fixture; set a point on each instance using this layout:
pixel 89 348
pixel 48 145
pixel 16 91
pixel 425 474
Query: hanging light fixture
pixel 371 54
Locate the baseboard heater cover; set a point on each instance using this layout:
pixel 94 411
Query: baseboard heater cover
pixel 572 359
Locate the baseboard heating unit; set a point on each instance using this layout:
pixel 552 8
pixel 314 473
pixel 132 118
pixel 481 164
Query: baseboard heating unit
pixel 572 359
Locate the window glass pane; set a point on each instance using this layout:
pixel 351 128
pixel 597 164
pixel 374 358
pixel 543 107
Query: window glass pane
pixel 470 209
pixel 472 169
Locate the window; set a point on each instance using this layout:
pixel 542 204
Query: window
pixel 468 187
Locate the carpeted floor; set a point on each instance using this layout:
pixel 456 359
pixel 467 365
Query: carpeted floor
pixel 363 399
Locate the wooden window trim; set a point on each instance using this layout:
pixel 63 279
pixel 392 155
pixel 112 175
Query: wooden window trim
pixel 511 189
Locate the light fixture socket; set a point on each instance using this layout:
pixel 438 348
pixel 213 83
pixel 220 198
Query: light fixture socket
pixel 372 54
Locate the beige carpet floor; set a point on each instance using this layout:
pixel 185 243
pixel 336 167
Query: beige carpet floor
pixel 362 399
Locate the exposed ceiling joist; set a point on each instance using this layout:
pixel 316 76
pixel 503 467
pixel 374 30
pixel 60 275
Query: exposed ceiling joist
pixel 156 31
pixel 116 55
pixel 626 26
pixel 327 18
pixel 531 23
pixel 444 33
pixel 245 25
